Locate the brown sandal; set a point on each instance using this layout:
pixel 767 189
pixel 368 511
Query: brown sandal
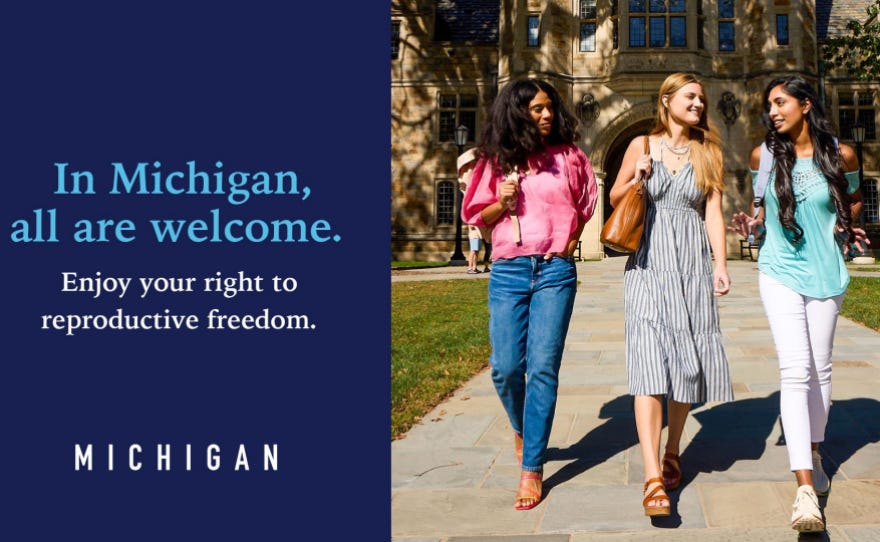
pixel 656 494
pixel 671 471
pixel 526 492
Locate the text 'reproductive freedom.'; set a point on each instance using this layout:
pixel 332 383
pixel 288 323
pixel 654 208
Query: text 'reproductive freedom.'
pixel 215 319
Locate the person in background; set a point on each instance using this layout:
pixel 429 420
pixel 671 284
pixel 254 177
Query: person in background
pixel 812 195
pixel 536 190
pixel 475 240
pixel 487 242
pixel 466 162
pixel 673 338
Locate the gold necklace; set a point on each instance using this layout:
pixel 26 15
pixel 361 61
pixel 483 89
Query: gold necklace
pixel 679 154
pixel 681 150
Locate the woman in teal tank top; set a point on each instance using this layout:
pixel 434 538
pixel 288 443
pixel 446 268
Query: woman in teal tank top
pixel 812 195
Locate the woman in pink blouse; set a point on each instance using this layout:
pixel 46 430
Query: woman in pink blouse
pixel 536 190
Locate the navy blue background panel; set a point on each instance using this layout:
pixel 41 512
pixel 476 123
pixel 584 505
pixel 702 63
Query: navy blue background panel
pixel 214 431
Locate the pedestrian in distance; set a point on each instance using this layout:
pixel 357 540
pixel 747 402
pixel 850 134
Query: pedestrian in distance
pixel 536 190
pixel 487 253
pixel 812 195
pixel 475 242
pixel 673 339
pixel 466 162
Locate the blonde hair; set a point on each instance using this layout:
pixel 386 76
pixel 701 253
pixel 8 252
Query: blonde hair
pixel 706 156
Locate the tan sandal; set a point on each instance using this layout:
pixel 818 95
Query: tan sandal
pixel 656 494
pixel 671 471
pixel 527 492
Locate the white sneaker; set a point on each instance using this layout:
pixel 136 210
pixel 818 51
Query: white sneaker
pixel 820 479
pixel 805 515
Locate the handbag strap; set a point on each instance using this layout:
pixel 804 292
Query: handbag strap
pixel 642 180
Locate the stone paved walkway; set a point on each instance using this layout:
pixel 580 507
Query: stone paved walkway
pixel 454 475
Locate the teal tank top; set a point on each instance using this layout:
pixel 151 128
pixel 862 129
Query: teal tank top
pixel 813 266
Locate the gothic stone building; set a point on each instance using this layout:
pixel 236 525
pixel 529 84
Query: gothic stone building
pixel 608 59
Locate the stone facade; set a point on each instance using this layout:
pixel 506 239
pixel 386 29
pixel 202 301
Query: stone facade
pixel 613 89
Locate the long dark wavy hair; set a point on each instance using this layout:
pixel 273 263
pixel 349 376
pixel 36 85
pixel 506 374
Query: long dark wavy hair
pixel 826 155
pixel 511 135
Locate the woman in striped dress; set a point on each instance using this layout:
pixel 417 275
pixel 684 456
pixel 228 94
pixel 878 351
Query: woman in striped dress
pixel 673 340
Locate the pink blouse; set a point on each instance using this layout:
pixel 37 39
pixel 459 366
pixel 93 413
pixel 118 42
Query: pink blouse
pixel 558 190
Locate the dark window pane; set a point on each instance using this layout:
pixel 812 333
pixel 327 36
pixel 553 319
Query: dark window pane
pixel 699 7
pixel 845 119
pixel 588 37
pixel 677 32
pixel 614 8
pixel 869 200
pixel 658 6
pixel 726 37
pixel 533 30
pixel 636 6
pixel 866 98
pixel 455 110
pixel 782 29
pixel 447 126
pixel 614 34
pixel 658 31
pixel 588 9
pixel 677 6
pixel 469 119
pixel 467 100
pixel 701 41
pixel 636 31
pixel 445 203
pixel 866 117
pixel 725 9
pixel 395 39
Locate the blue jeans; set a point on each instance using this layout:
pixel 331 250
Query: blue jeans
pixel 530 303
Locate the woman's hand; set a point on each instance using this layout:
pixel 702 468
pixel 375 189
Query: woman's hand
pixel 507 191
pixel 643 167
pixel 722 282
pixel 744 224
pixel 507 194
pixel 861 236
pixel 636 165
pixel 860 241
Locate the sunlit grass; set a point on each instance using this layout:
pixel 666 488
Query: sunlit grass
pixel 439 340
pixel 862 301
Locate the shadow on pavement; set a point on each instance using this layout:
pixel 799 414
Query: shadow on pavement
pixel 852 424
pixel 599 445
pixel 729 432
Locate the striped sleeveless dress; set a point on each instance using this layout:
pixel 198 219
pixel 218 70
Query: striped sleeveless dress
pixel 673 339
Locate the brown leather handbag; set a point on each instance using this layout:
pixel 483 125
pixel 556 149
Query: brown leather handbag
pixel 623 229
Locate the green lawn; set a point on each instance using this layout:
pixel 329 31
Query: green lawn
pixel 434 351
pixel 862 301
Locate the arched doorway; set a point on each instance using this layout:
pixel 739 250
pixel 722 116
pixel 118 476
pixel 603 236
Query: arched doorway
pixel 614 158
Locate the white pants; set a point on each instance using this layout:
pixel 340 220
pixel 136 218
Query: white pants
pixel 803 330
